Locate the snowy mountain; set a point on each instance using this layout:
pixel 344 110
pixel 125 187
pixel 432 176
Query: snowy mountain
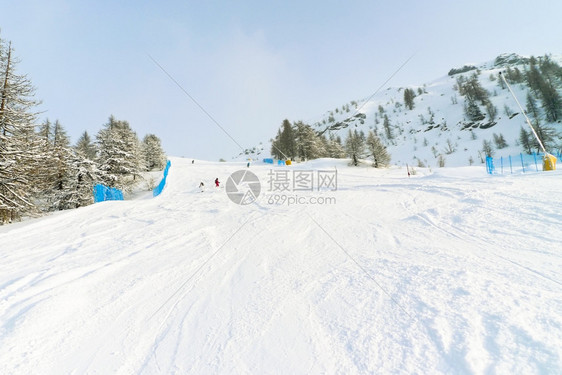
pixel 447 272
pixel 437 127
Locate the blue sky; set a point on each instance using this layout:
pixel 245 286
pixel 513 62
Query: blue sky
pixel 250 64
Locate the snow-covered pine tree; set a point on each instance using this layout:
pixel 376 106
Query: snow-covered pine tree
pixel 355 146
pixel 45 131
pixel 61 149
pixel 308 143
pixel 334 147
pixel 119 156
pixel 80 177
pixel 61 186
pixel 283 146
pixel 472 111
pixel 86 147
pixel 152 153
pixel 46 171
pixel 381 157
pixel 17 139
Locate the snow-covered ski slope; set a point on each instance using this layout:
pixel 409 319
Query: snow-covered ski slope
pixel 447 272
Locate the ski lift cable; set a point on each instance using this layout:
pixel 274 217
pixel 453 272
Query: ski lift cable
pixel 196 102
pixel 367 273
pixel 425 329
pixel 202 108
pixel 524 113
pixel 194 273
pixel 381 86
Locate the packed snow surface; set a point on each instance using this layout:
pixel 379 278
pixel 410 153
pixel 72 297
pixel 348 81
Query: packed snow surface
pixel 450 271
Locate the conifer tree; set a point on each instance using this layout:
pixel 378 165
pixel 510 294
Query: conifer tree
pixel 334 147
pixel 17 139
pixel 46 131
pixel 81 174
pixel 387 128
pixel 487 148
pixel 544 88
pixel 46 172
pixel 284 144
pixel 381 157
pixel 472 89
pixel 491 110
pixel 547 135
pixel 86 147
pixel 58 187
pixel 355 146
pixel 473 113
pixel 276 146
pixel 533 76
pixel 500 141
pixel 119 154
pixel 552 103
pixel 409 96
pixel 309 144
pixel 526 140
pixel 152 153
pixel 288 140
pixel 532 108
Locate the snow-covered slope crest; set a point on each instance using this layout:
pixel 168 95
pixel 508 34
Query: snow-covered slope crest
pixel 436 130
pixel 447 272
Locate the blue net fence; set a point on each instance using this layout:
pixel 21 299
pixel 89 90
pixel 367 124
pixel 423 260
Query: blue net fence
pixel 272 161
pixel 158 189
pixel 103 193
pixel 521 163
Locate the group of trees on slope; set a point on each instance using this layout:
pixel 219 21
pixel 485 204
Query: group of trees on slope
pixel 300 141
pixel 543 78
pixel 39 168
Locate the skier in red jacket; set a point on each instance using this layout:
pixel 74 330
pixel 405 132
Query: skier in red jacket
pixel 217 182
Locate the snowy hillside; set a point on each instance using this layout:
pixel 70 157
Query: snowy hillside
pixel 447 272
pixel 438 125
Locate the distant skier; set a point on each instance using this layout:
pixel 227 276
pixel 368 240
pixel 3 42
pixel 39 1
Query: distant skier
pixel 217 182
pixel 193 162
pixel 202 186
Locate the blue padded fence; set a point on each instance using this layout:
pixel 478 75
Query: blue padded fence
pixel 158 189
pixel 521 163
pixel 103 193
pixel 268 160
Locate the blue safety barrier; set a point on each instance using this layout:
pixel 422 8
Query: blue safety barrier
pixel 103 193
pixel 158 189
pixel 490 165
pixel 521 163
pixel 268 161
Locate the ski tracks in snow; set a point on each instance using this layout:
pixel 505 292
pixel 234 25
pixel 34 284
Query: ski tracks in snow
pixel 434 278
